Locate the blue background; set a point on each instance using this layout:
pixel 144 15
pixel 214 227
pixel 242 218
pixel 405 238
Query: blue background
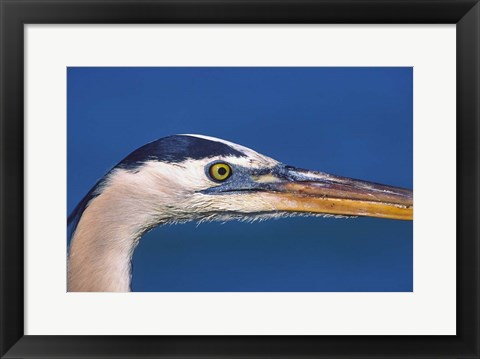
pixel 354 122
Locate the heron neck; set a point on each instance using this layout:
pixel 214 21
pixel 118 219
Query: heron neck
pixel 102 246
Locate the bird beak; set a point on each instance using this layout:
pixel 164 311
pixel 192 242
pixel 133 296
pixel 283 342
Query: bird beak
pixel 295 190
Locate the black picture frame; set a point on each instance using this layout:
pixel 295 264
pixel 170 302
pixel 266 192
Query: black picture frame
pixel 16 13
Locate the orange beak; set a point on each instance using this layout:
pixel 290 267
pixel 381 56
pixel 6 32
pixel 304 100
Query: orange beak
pixel 296 190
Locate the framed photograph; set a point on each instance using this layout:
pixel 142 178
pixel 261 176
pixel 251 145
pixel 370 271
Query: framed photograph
pixel 219 179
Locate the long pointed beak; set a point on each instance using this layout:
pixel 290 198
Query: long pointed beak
pixel 297 190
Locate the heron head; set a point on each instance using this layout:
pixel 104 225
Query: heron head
pixel 192 177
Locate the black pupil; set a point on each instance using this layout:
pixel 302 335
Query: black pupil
pixel 222 171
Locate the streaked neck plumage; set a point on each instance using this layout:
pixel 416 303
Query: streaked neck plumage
pixel 106 236
pixel 100 255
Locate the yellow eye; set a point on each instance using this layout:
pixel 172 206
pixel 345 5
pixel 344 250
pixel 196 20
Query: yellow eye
pixel 220 171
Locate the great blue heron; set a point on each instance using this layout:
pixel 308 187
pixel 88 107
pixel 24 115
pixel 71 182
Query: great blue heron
pixel 191 177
